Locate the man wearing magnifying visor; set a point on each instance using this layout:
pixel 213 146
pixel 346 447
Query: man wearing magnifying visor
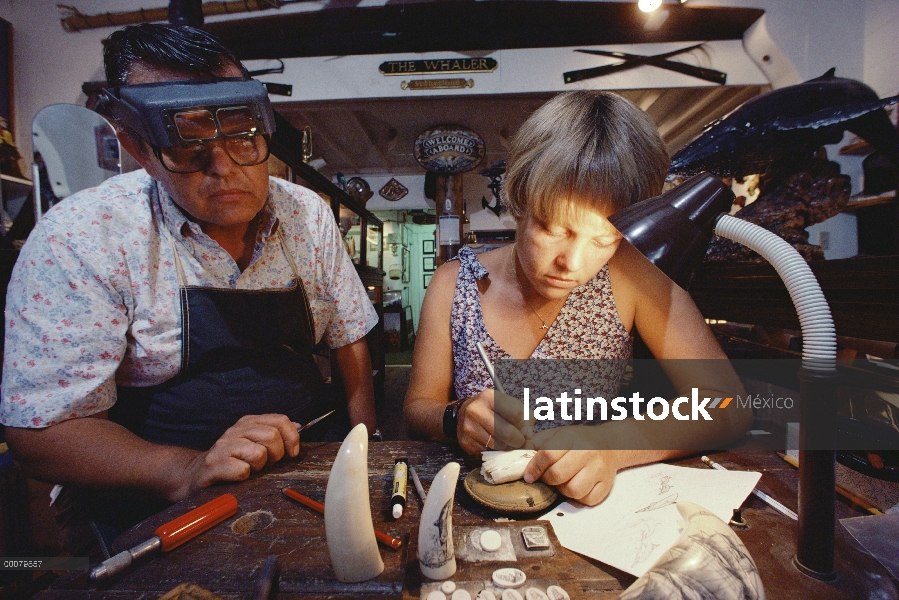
pixel 161 327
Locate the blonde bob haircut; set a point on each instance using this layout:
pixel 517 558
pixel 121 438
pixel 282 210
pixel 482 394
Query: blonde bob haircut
pixel 590 145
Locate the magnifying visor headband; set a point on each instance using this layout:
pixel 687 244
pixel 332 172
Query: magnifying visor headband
pixel 175 113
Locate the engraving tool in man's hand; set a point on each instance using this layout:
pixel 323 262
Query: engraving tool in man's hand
pixel 313 422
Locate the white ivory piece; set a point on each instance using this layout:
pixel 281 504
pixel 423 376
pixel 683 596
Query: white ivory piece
pixel 436 556
pixel 509 577
pixel 348 525
pixel 505 466
pixel 708 560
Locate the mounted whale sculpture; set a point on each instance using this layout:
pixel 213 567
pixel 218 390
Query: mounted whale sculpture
pixel 778 133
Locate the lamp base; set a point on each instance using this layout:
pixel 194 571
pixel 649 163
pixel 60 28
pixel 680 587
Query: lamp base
pixel 831 576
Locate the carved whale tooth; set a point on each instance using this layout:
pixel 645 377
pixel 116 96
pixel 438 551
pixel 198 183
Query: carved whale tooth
pixel 708 560
pixel 505 466
pixel 348 524
pixel 436 556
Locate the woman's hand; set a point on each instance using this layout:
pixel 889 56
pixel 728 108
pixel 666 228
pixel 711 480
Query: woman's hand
pixel 580 474
pixel 490 421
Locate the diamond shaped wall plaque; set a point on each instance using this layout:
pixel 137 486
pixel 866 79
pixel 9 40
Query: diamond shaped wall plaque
pixel 393 190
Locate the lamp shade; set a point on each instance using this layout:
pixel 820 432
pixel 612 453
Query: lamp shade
pixel 673 230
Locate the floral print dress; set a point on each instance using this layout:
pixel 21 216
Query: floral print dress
pixel 588 327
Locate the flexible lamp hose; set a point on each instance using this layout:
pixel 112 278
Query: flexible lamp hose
pixel 818 385
pixel 819 337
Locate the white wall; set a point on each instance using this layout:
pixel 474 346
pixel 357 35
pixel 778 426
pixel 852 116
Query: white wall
pixel 519 71
pixel 419 233
pixel 414 199
pixel 837 236
pixel 881 62
pixel 49 65
pixel 814 34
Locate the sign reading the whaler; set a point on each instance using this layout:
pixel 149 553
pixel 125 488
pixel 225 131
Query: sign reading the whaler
pixel 438 65
pixel 449 149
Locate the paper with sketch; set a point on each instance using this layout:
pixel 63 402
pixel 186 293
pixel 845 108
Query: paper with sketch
pixel 638 521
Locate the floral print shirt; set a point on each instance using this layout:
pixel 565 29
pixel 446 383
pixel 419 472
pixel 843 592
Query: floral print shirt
pixel 588 327
pixel 93 300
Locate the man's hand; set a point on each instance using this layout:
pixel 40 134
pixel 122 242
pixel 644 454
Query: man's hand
pixel 249 445
pixel 94 451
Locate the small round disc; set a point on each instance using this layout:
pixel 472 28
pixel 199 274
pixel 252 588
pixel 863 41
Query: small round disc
pixel 557 593
pixel 490 540
pixel 535 594
pixel 509 577
pixel 447 587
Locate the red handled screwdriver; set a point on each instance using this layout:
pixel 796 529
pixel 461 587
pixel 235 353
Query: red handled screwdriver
pixel 171 535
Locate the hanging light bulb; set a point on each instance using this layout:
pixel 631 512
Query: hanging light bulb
pixel 649 5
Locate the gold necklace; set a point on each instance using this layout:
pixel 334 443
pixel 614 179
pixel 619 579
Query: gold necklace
pixel 523 296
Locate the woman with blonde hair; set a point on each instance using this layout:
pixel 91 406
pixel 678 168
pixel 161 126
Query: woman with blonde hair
pixel 569 288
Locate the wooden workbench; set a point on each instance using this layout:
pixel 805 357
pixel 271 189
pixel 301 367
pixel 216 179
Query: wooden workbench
pixel 227 562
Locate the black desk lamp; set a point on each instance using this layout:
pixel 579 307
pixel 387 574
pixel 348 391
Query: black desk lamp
pixel 673 231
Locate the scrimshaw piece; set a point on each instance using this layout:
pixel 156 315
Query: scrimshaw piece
pixel 504 466
pixel 348 525
pixel 708 560
pixel 435 531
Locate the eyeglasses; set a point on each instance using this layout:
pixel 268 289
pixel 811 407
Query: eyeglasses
pixel 199 129
pixel 245 150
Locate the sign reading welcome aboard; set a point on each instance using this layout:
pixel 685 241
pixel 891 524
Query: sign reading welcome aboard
pixel 449 149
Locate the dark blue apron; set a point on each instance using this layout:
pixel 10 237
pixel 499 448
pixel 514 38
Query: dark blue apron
pixel 244 352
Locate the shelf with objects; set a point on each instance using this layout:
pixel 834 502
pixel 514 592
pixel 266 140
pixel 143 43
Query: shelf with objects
pixel 17 218
pixel 362 231
pixel 855 259
pixel 14 194
pixel 398 321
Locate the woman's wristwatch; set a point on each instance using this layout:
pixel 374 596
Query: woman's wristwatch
pixel 451 419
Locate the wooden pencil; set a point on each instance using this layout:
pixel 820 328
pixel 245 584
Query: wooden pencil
pixel 318 507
